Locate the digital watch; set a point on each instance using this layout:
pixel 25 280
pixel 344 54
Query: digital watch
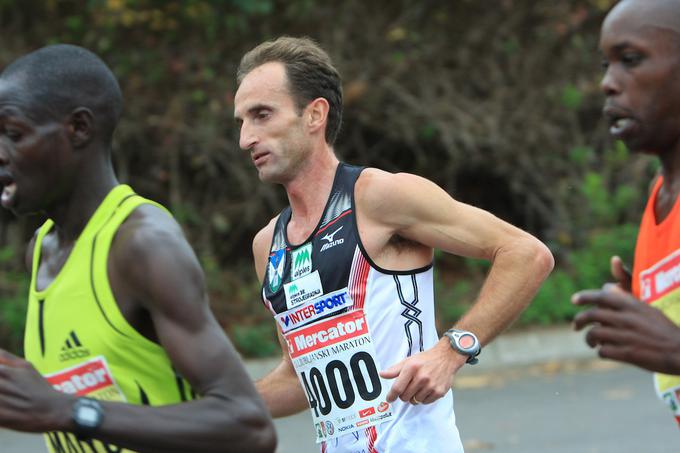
pixel 464 342
pixel 87 416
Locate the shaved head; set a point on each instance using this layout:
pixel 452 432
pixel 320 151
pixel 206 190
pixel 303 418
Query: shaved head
pixel 640 44
pixel 663 14
pixel 55 80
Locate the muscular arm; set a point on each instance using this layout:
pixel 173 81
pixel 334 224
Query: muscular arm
pixel 280 389
pixel 417 210
pixel 159 270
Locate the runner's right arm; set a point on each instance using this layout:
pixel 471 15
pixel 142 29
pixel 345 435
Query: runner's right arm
pixel 280 389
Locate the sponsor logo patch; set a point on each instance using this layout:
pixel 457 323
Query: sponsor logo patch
pixel 277 261
pixel 366 412
pixel 301 261
pixel 330 429
pixel 314 309
pixel 303 289
pixel 660 279
pixel 332 242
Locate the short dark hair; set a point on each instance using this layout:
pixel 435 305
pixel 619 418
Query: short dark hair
pixel 59 78
pixel 310 73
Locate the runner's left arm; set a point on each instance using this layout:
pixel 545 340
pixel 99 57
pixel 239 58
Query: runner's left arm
pixel 427 215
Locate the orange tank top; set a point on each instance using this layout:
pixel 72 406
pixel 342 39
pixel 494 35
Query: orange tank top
pixel 656 279
pixel 656 272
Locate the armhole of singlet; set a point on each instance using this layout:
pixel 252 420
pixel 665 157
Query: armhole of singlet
pixel 418 270
pixel 100 284
pixel 37 253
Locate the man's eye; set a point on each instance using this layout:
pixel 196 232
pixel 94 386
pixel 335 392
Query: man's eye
pixel 604 63
pixel 631 59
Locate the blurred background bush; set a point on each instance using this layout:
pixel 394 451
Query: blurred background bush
pixel 497 101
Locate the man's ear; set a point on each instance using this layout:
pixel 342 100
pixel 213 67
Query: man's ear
pixel 317 114
pixel 81 127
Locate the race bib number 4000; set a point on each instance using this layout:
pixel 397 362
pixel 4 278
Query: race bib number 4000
pixel 335 362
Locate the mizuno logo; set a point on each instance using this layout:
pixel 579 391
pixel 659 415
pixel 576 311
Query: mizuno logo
pixel 329 237
pixel 332 242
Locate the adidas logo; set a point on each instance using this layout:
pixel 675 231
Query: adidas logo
pixel 72 348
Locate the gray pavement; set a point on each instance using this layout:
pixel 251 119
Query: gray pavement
pixel 536 391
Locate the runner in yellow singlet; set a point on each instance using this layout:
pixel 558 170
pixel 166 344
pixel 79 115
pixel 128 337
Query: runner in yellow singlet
pixel 122 351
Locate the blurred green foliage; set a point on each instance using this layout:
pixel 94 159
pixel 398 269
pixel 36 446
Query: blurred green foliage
pixel 497 102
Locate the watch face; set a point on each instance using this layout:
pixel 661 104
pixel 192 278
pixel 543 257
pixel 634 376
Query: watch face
pixel 466 341
pixel 88 416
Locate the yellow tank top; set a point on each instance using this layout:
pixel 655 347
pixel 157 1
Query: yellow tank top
pixel 78 339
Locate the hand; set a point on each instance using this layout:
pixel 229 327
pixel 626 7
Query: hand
pixel 27 401
pixel 621 273
pixel 425 376
pixel 628 330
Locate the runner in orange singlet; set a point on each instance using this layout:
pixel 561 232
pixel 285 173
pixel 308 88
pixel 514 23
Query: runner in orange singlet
pixel 641 46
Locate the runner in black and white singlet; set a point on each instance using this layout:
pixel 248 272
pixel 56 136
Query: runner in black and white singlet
pixel 347 269
pixel 329 281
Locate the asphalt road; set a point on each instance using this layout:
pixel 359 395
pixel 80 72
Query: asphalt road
pixel 596 407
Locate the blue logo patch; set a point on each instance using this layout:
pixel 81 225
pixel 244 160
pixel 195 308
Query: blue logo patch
pixel 277 261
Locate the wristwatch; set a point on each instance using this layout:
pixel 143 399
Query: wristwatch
pixel 88 416
pixel 464 342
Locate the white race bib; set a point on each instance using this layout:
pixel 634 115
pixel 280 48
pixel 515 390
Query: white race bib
pixel 335 362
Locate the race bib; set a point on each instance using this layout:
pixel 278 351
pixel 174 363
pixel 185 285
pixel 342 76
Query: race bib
pixel 672 398
pixel 335 362
pixel 92 379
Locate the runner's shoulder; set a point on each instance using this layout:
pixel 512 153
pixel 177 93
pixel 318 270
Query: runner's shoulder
pixel 263 238
pixel 150 236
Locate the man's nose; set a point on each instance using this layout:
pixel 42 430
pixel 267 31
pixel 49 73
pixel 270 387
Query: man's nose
pixel 610 84
pixel 247 138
